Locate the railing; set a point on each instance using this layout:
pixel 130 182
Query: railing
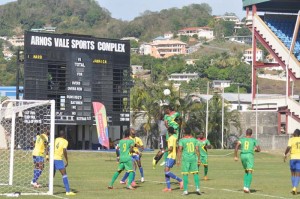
pixel 281 49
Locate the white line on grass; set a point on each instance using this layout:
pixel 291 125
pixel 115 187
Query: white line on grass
pixel 229 190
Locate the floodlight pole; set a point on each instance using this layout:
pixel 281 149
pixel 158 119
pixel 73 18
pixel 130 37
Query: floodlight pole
pixel 206 122
pixel 222 118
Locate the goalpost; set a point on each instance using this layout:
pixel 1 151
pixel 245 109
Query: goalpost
pixel 20 121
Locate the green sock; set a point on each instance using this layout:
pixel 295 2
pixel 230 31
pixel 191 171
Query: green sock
pixel 166 155
pixel 197 182
pixel 185 182
pixel 205 170
pixel 115 176
pixel 249 179
pixel 245 180
pixel 130 179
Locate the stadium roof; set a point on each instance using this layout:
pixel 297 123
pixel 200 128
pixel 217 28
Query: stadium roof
pixel 287 6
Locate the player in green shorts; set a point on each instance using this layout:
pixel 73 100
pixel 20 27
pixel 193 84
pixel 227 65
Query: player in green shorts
pixel 189 151
pixel 171 119
pixel 204 144
pixel 248 146
pixel 125 163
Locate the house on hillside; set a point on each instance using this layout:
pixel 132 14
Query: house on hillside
pixel 178 78
pixel 237 23
pixel 201 32
pixel 168 35
pixel 248 55
pixel 16 40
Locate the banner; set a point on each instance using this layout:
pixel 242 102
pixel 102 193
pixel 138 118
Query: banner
pixel 101 123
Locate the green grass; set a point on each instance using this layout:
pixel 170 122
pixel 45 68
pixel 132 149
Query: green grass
pixel 90 172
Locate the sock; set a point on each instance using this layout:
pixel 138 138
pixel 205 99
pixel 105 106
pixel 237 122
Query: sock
pixel 66 183
pixel 166 155
pixel 205 170
pixel 245 180
pixel 172 175
pixel 185 182
pixel 133 175
pixel 293 178
pixel 168 181
pixel 115 176
pixel 196 180
pixel 142 171
pixel 125 176
pixel 297 179
pixel 130 179
pixel 249 179
pixel 35 174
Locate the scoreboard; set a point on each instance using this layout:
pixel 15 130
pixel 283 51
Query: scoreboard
pixel 76 70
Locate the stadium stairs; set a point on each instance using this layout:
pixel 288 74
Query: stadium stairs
pixel 275 33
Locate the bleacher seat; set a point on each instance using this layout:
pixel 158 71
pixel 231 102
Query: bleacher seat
pixel 283 27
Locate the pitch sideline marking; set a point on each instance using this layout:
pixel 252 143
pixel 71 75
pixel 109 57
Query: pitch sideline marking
pixel 228 190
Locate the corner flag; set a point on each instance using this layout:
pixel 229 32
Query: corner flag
pixel 101 123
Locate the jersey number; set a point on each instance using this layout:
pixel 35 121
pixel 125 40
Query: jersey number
pixel 124 147
pixel 57 146
pixel 298 145
pixel 246 147
pixel 190 147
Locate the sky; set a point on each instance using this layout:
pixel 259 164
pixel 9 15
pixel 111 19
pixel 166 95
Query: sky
pixel 129 9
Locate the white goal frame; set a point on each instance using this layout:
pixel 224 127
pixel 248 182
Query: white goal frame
pixel 12 111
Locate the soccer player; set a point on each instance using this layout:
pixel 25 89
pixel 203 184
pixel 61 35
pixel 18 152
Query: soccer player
pixel 60 150
pixel 136 156
pixel 204 144
pixel 188 147
pixel 125 163
pixel 172 142
pixel 40 149
pixel 294 149
pixel 248 146
pixel 171 119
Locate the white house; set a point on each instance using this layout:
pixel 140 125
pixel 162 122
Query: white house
pixel 178 78
pixel 248 55
pixel 201 32
pixel 168 35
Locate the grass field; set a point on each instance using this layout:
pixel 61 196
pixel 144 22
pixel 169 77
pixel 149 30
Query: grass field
pixel 90 172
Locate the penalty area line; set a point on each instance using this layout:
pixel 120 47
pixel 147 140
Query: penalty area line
pixel 227 190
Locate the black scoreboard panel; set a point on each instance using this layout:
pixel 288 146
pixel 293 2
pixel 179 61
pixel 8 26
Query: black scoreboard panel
pixel 76 70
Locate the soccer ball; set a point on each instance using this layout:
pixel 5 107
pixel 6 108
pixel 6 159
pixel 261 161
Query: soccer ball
pixel 167 92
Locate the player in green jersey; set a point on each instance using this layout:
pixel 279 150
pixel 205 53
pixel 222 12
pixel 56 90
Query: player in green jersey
pixel 248 146
pixel 204 144
pixel 171 119
pixel 294 150
pixel 189 151
pixel 125 163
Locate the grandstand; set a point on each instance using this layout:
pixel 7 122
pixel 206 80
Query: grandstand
pixel 275 24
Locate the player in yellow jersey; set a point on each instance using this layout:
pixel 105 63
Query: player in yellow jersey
pixel 60 150
pixel 171 160
pixel 38 153
pixel 136 156
pixel 294 149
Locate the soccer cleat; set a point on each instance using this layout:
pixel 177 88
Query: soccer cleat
pixel 133 184
pixel 70 193
pixel 142 179
pixel 153 163
pixel 205 178
pixel 181 185
pixel 185 193
pixel 166 190
pixel 110 187
pixel 246 190
pixel 35 184
pixel 163 163
pixel 130 188
pixel 122 182
pixel 198 191
pixel 294 191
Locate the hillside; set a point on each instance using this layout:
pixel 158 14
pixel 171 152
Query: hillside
pixel 88 17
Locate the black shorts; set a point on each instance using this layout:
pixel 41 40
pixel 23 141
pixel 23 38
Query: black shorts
pixel 163 142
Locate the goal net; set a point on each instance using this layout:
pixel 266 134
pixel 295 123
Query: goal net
pixel 20 122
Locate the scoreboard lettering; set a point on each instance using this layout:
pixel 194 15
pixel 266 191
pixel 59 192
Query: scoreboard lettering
pixel 76 70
